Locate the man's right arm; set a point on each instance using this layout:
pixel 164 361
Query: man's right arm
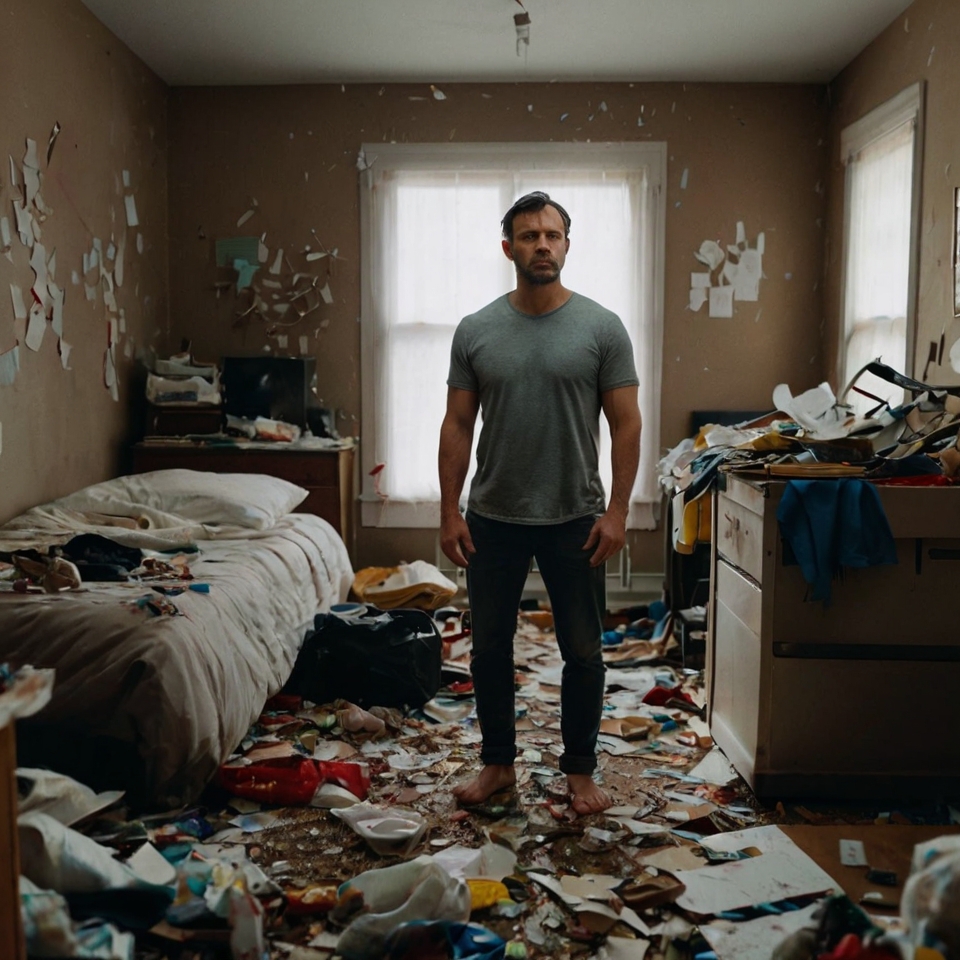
pixel 456 442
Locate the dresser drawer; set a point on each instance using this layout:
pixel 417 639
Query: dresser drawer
pixel 307 470
pixel 314 469
pixel 740 536
pixel 742 597
pixel 324 502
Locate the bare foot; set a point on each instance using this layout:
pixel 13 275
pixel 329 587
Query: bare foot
pixel 585 796
pixel 492 778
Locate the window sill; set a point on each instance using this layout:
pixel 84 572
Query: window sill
pixel 425 514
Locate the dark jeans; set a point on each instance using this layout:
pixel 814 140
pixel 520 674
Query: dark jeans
pixel 495 580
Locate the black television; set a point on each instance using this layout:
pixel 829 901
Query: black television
pixel 280 388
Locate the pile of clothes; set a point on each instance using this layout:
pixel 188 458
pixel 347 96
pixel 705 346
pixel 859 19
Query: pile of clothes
pixel 815 435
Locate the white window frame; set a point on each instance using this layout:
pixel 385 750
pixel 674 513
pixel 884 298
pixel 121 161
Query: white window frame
pixel 381 158
pixel 906 107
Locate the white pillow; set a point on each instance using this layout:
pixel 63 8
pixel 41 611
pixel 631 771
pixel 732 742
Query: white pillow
pixel 157 499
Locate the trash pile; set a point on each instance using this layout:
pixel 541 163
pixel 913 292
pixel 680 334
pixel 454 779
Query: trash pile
pixel 332 832
pixel 181 380
pixel 816 435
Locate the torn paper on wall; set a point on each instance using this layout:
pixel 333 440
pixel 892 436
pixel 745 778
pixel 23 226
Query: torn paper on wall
pixel 24 223
pixel 56 317
pixel 734 274
pixel 38 263
pixel 54 133
pixel 9 365
pixel 698 297
pixel 521 22
pixel 746 280
pixel 130 206
pixel 229 249
pixel 31 172
pixel 110 372
pixel 955 356
pixel 19 307
pixel 245 271
pixel 721 302
pixel 14 182
pixel 711 254
pixel 36 327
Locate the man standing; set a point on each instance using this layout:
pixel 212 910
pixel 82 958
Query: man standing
pixel 541 362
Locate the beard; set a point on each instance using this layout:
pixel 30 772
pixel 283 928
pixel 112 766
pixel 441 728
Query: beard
pixel 539 278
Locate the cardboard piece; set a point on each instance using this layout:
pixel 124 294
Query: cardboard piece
pixel 781 872
pixel 755 939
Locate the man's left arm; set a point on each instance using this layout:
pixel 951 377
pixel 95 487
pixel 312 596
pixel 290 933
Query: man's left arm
pixel 622 411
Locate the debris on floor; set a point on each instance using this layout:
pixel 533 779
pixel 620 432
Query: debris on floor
pixel 333 832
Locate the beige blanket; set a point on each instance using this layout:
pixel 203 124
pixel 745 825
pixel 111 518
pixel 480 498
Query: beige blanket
pixel 178 692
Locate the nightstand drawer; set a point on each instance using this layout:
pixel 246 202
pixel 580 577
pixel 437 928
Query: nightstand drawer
pixel 318 469
pixel 327 475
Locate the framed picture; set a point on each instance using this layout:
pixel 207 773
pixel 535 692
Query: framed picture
pixel 956 251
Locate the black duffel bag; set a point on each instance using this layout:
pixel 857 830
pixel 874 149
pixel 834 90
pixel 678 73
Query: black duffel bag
pixel 384 658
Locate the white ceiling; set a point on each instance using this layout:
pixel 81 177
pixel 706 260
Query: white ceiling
pixel 205 42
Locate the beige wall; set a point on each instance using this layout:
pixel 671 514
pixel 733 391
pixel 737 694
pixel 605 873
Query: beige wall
pixel 921 45
pixel 61 429
pixel 754 153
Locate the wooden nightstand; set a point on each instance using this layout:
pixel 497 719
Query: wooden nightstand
pixel 326 474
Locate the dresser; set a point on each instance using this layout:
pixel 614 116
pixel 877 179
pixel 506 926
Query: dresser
pixel 327 475
pixel 857 699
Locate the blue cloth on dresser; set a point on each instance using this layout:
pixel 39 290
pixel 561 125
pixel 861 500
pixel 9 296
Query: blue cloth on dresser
pixel 829 524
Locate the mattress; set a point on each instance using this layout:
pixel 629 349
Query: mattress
pixel 152 704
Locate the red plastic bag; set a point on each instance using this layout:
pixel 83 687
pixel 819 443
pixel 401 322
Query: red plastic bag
pixel 290 781
pixel 658 696
pixel 354 777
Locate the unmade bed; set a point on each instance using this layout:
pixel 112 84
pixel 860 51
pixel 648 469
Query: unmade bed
pixel 153 691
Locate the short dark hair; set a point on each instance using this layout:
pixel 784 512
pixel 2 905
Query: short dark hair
pixel 533 203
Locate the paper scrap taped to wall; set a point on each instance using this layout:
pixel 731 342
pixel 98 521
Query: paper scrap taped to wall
pixel 521 22
pixel 955 356
pixel 732 275
pixel 9 366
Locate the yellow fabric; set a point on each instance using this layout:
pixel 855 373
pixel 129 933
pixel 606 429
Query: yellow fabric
pixel 695 523
pixel 485 893
pixel 769 441
pixel 426 593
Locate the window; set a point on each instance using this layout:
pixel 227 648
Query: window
pixel 880 152
pixel 430 215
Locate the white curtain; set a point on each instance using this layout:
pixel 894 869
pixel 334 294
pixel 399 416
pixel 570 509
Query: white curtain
pixel 878 261
pixel 436 257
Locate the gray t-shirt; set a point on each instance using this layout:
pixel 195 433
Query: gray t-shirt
pixel 540 380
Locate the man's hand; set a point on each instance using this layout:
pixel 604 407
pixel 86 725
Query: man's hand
pixel 608 535
pixel 455 540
